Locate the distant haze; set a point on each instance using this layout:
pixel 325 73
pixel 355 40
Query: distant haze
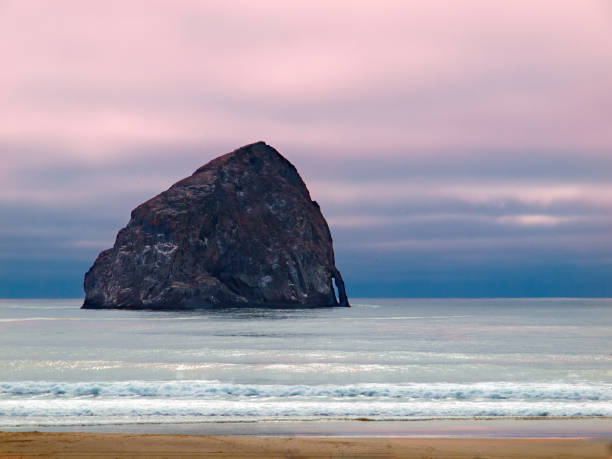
pixel 457 148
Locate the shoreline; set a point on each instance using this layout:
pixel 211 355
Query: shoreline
pixel 578 427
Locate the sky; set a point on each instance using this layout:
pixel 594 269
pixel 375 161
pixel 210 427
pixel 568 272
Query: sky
pixel 457 149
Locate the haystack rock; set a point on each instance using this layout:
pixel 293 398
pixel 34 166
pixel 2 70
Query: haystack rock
pixel 241 231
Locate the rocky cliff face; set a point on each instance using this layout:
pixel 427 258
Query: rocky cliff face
pixel 241 231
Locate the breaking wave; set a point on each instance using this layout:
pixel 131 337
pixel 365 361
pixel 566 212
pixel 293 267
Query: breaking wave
pixel 214 389
pixel 108 411
pixel 97 403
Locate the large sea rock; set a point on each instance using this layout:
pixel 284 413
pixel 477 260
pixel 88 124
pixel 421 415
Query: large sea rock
pixel 242 231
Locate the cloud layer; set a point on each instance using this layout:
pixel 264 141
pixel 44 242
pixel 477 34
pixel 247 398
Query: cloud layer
pixel 457 148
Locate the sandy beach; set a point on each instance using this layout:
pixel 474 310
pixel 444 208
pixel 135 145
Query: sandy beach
pixel 92 445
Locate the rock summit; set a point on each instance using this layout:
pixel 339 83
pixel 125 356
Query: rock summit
pixel 242 231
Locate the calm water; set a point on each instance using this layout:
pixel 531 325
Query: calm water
pixel 381 359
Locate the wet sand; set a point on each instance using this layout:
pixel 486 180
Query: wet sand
pixel 442 438
pixel 438 428
pixel 92 445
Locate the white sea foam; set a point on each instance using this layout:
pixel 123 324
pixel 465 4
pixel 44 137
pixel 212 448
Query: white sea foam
pixel 414 391
pixel 103 411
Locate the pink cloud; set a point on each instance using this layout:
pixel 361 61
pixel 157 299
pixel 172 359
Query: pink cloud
pixel 483 192
pixel 409 76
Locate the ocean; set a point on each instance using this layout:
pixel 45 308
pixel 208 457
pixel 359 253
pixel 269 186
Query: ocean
pixel 382 359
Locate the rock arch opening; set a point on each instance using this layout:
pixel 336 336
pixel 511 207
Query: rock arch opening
pixel 339 289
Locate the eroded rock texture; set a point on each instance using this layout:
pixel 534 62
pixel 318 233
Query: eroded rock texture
pixel 241 231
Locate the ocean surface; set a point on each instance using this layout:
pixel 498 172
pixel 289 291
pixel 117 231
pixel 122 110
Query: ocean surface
pixel 382 359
